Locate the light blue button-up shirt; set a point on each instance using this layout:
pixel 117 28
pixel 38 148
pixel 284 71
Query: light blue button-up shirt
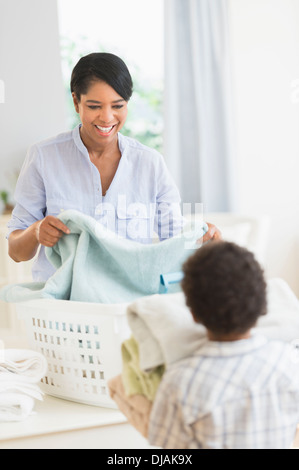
pixel 58 175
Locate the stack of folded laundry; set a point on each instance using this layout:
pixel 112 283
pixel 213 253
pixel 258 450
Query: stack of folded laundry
pixel 163 332
pixel 134 390
pixel 20 372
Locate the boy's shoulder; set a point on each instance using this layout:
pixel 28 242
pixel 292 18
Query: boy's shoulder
pixel 277 359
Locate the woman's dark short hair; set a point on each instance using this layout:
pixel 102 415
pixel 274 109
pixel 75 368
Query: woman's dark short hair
pixel 224 287
pixel 105 67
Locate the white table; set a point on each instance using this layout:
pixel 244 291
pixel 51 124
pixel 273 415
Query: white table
pixel 62 424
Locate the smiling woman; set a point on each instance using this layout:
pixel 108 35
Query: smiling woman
pixel 91 167
pixel 104 115
pixel 102 119
pixel 126 29
pixel 101 86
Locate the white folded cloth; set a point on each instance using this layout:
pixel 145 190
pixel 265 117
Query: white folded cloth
pixel 164 329
pixel 27 364
pixel 15 406
pixel 20 372
pixel 282 319
pixel 165 332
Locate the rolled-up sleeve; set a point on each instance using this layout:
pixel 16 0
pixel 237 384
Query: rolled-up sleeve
pixel 30 198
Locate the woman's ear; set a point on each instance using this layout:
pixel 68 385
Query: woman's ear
pixel 76 102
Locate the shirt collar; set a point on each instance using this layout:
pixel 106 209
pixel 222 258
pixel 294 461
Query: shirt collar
pixel 121 143
pixel 79 143
pixel 233 348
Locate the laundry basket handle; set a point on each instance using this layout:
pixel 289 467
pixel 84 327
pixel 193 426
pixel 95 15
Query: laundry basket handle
pixel 167 279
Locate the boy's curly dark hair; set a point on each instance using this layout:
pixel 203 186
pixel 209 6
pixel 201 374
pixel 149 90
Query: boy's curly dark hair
pixel 224 287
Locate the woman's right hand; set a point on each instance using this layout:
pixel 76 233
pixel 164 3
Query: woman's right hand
pixel 49 230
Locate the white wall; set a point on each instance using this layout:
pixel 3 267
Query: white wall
pixel 265 39
pixel 30 69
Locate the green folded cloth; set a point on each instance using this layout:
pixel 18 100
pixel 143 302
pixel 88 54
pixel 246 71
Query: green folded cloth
pixel 136 381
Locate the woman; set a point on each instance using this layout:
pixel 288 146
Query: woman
pixel 93 169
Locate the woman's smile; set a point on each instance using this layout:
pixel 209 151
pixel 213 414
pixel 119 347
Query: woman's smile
pixel 105 131
pixel 103 113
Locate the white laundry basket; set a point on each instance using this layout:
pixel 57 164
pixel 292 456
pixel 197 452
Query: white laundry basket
pixel 82 344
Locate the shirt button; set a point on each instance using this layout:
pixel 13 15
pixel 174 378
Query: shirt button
pixel 98 210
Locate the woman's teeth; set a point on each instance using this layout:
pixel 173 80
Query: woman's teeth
pixel 106 130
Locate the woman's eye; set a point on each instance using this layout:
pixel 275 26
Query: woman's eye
pixel 117 106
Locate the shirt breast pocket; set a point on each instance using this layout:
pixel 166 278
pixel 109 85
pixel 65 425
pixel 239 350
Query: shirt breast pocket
pixel 56 207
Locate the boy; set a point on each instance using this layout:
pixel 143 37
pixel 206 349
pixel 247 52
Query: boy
pixel 239 390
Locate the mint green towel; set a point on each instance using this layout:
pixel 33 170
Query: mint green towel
pixel 95 265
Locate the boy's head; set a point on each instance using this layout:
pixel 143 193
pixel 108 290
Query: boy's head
pixel 225 288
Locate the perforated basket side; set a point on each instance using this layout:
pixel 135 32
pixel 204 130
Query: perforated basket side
pixel 82 348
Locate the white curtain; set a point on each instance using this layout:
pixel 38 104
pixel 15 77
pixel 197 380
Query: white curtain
pixel 199 137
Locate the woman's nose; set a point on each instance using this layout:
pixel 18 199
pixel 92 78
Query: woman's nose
pixel 106 115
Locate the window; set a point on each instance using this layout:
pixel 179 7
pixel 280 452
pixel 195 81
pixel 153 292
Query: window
pixel 132 29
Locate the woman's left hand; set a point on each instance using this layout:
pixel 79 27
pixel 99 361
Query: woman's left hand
pixel 213 234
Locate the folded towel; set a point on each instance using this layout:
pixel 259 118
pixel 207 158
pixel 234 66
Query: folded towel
pixel 12 386
pixel 165 331
pixel 136 408
pixel 26 365
pixel 282 319
pixel 20 372
pixel 95 265
pixel 135 380
pixel 16 406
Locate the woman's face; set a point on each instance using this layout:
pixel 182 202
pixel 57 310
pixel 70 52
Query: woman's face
pixel 103 113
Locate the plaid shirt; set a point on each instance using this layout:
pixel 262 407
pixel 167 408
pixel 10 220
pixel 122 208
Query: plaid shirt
pixel 229 395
